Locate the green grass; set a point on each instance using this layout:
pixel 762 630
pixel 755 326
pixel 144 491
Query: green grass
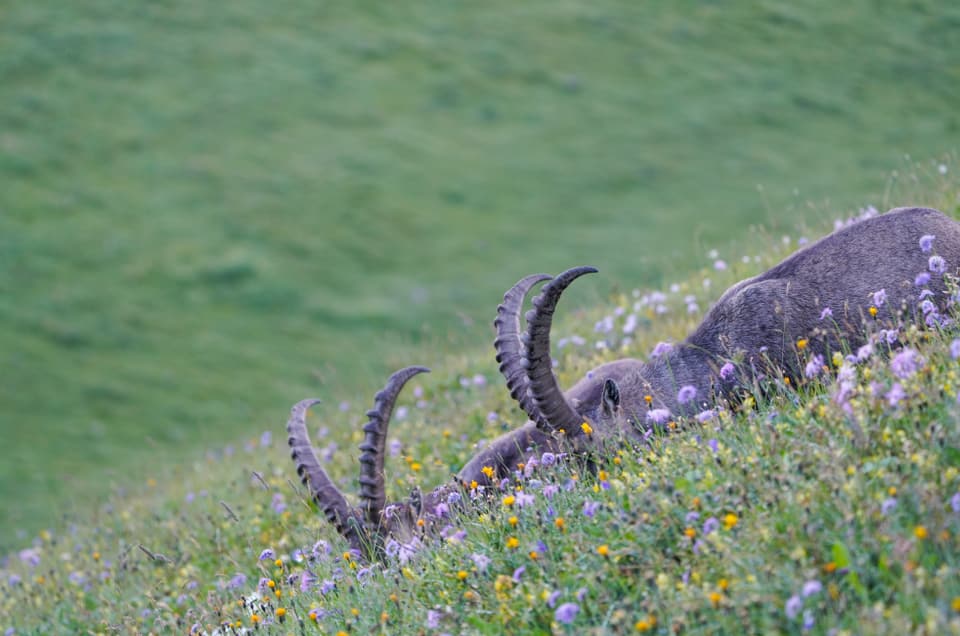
pixel 850 519
pixel 209 211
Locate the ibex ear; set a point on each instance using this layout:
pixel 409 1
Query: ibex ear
pixel 610 400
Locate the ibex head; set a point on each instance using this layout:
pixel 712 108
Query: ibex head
pixel 526 364
pixel 365 526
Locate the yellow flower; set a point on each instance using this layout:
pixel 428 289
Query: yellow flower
pixel 278 563
pixel 802 344
pixel 586 428
pixel 920 532
pixel 281 612
pixel 603 550
pixel 254 618
pixel 723 584
pixel 873 311
pixel 488 471
pixel 729 520
pixel 955 604
pixel 415 467
pixel 512 521
pixel 714 598
pixel 271 584
pixel 559 522
pixel 690 532
pixel 648 398
pixel 513 543
pixel 462 575
pixel 509 500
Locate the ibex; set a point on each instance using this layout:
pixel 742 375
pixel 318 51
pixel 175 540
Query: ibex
pixel 826 294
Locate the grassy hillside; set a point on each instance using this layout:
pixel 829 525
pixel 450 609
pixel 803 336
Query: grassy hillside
pixel 208 211
pixel 798 511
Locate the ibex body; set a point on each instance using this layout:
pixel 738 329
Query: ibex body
pixel 873 270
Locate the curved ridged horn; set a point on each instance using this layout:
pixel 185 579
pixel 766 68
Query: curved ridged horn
pixel 544 389
pixel 335 507
pixel 509 346
pixel 372 488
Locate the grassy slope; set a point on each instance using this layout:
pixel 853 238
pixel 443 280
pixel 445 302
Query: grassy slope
pixel 209 209
pixel 865 533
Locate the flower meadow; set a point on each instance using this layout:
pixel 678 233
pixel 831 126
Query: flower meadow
pixel 826 505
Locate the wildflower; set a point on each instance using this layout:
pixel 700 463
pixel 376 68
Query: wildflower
pixel 586 428
pixel 793 606
pixel 955 502
pixel 281 612
pixel 238 581
pixel 802 344
pixel 905 363
pixel 662 348
pixel 880 297
pixel 920 532
pixel 926 242
pixel 512 543
pixel 658 416
pixel 811 587
pixel 808 620
pixel 729 520
pixel 927 307
pixel 690 533
pixel 726 371
pixel 814 367
pixel 705 416
pixel 873 311
pixel 524 499
pixel 552 598
pixel 267 555
pixel 715 598
pixel 713 444
pixel 590 508
pixel 936 264
pixel 955 349
pixel 887 506
pixel 559 522
pixel 922 279
pixel 548 459
pixel 711 525
pixel 433 619
pixel 826 313
pixel 518 573
pixel 686 394
pixel 488 471
pixel 509 500
pixel 603 550
pixel 566 613
pixel 266 438
pixel 895 394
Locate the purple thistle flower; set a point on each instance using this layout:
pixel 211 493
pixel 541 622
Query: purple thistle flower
pixel 524 499
pixel 518 573
pixel 590 508
pixel 327 586
pixel 895 394
pixel 692 517
pixel 814 367
pixel 926 242
pixel 955 349
pixel 550 490
pixel 887 506
pixel 266 438
pixel 726 371
pixel 905 363
pixel 433 619
pixel 880 297
pixel 481 561
pixel 826 313
pixel 705 416
pixel 922 279
pixel 713 444
pixel 267 554
pixel 811 587
pixel 548 459
pixel 936 264
pixel 955 502
pixel 566 613
pixel 686 394
pixel 552 599
pixel 793 606
pixel 711 525
pixel 658 416
pixel 238 581
pixel 662 348
pixel 808 620
pixel 927 307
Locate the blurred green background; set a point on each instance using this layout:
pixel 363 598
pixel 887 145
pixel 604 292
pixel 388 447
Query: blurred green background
pixel 211 210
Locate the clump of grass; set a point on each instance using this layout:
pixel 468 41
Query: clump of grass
pixel 829 505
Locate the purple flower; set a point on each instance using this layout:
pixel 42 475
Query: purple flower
pixel 880 297
pixel 793 606
pixel 936 264
pixel 905 363
pixel 327 586
pixel 814 367
pixel 267 554
pixel 277 503
pixel 726 371
pixel 955 349
pixel 30 556
pixel 955 502
pixel 550 490
pixel 826 313
pixel 548 459
pixel 566 613
pixel 552 599
pixel 686 394
pixel 692 517
pixel 922 279
pixel 481 561
pixel 658 416
pixel 926 242
pixel 307 580
pixel 77 578
pixel 811 587
pixel 492 416
pixel 433 619
pixel 927 306
pixel 808 620
pixel 518 573
pixel 14 580
pixel 238 581
pixel 395 447
pixel 705 416
pixel 265 438
pixel 719 265
pixel 590 508
pixel 895 394
pixel 662 348
pixel 887 506
pixel 524 499
pixel 711 525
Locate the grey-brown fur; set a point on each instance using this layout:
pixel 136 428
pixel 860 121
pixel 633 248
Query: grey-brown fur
pixel 755 323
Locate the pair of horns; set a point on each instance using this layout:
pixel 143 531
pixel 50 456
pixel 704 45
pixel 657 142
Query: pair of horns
pixel 359 526
pixel 524 357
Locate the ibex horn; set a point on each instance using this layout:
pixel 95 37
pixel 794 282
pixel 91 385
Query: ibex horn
pixel 372 450
pixel 344 518
pixel 509 346
pixel 544 389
